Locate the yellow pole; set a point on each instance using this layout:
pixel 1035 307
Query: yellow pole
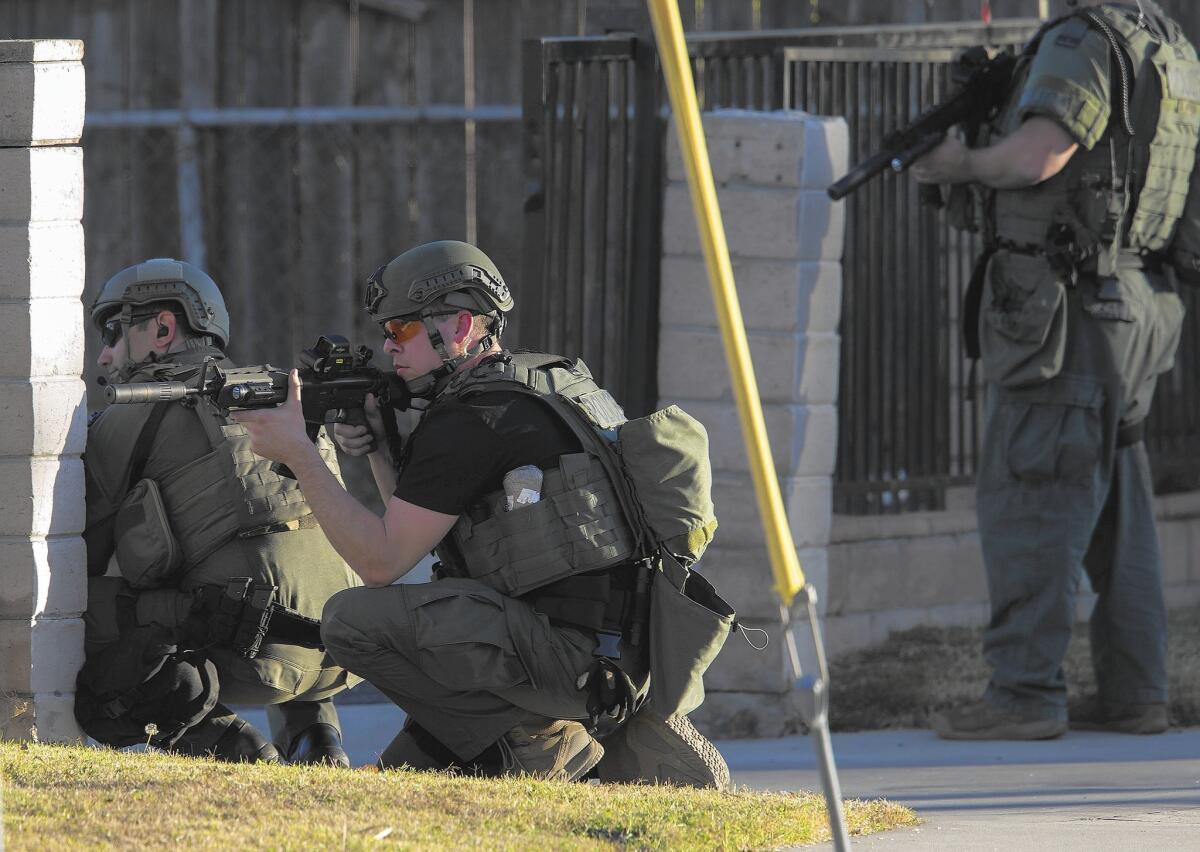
pixel 668 32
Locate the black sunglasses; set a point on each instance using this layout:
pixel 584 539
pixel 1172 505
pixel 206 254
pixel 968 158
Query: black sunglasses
pixel 112 331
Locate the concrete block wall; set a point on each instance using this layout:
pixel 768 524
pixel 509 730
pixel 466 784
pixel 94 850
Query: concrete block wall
pixel 785 240
pixel 896 572
pixel 41 393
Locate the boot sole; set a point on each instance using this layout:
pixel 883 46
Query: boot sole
pixel 1039 730
pixel 681 755
pixel 1137 726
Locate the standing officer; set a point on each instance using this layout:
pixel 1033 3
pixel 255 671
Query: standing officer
pixel 488 660
pixel 1080 183
pixel 175 493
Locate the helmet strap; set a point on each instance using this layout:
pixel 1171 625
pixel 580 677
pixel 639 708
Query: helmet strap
pixel 427 385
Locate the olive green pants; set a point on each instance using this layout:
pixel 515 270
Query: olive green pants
pixel 1058 495
pixel 464 661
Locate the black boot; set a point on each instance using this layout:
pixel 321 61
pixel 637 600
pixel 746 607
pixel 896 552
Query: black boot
pixel 233 742
pixel 319 743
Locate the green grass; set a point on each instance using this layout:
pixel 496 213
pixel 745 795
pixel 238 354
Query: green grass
pixel 918 672
pixel 69 797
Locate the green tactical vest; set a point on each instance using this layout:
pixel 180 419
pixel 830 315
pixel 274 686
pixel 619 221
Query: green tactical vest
pixel 1128 193
pixel 637 486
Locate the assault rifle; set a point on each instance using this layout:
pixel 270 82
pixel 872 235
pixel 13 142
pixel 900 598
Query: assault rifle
pixel 983 84
pixel 333 378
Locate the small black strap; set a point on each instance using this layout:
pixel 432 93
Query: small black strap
pixel 141 449
pixel 973 303
pixel 1131 433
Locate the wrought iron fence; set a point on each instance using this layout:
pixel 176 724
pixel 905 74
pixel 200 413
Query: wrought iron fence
pixel 908 415
pixel 593 160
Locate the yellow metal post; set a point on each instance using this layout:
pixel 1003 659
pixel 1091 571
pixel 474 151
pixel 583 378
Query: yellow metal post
pixel 668 32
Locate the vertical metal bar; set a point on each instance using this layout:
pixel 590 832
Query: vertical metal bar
pixel 535 120
pixel 642 320
pixel 469 165
pixel 554 191
pixel 573 279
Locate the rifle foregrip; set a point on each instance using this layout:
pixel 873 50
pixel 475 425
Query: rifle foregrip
pixel 902 161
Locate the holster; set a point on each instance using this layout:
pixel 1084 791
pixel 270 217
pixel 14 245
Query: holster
pixel 242 615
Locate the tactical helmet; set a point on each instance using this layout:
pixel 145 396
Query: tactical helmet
pixel 446 272
pixel 424 281
pixel 163 279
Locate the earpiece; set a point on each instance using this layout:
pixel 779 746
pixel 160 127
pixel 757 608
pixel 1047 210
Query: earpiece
pixel 163 331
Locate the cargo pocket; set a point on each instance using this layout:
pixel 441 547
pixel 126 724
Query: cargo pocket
pixel 1167 328
pixel 689 623
pixel 146 549
pixel 1053 432
pixel 461 636
pixel 1023 326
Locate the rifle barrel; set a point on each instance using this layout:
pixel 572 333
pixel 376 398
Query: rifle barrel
pixel 904 159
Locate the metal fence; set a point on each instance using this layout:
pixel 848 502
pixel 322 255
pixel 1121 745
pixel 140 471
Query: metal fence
pixel 593 160
pixel 908 417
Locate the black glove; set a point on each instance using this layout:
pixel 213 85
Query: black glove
pixel 610 692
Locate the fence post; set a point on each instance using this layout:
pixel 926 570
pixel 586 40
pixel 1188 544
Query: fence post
pixel 44 591
pixel 785 240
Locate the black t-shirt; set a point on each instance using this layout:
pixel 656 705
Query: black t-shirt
pixel 463 448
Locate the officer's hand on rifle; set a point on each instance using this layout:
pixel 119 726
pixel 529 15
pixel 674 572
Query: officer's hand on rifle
pixel 947 163
pixel 279 433
pixel 359 432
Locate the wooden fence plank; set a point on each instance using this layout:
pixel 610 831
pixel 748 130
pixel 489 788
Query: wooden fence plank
pixel 440 185
pixel 324 181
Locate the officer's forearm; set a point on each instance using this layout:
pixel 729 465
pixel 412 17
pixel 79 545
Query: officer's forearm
pixel 356 533
pixel 384 471
pixel 1037 151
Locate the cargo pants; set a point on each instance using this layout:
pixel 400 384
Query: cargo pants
pixel 464 661
pixel 1057 495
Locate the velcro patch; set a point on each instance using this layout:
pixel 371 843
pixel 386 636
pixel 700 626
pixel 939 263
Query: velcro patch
pixel 1183 82
pixel 1071 33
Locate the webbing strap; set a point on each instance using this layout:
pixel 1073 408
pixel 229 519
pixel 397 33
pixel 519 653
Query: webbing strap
pixel 141 449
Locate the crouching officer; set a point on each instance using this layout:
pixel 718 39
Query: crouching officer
pixel 223 568
pixel 538 618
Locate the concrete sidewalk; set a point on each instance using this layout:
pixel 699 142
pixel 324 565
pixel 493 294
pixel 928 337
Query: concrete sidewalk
pixel 1085 791
pixel 1081 792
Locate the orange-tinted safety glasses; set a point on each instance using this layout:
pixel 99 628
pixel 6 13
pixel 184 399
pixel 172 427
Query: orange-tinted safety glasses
pixel 403 330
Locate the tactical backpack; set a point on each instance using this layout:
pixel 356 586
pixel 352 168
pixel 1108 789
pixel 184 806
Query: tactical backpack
pixel 640 492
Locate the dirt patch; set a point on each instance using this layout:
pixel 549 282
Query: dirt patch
pixel 919 672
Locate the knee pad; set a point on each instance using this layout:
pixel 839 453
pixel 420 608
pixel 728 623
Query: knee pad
pixel 141 689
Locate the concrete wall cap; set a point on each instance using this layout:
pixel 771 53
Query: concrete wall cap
pixel 41 50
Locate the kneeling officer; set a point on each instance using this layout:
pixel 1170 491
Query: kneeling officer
pixel 223 568
pixel 540 615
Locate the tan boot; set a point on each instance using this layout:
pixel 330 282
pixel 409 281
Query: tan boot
pixel 980 720
pixel 1094 715
pixel 556 751
pixel 656 751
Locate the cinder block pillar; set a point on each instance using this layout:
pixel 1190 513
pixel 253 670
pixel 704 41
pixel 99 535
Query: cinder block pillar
pixel 785 238
pixel 42 560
